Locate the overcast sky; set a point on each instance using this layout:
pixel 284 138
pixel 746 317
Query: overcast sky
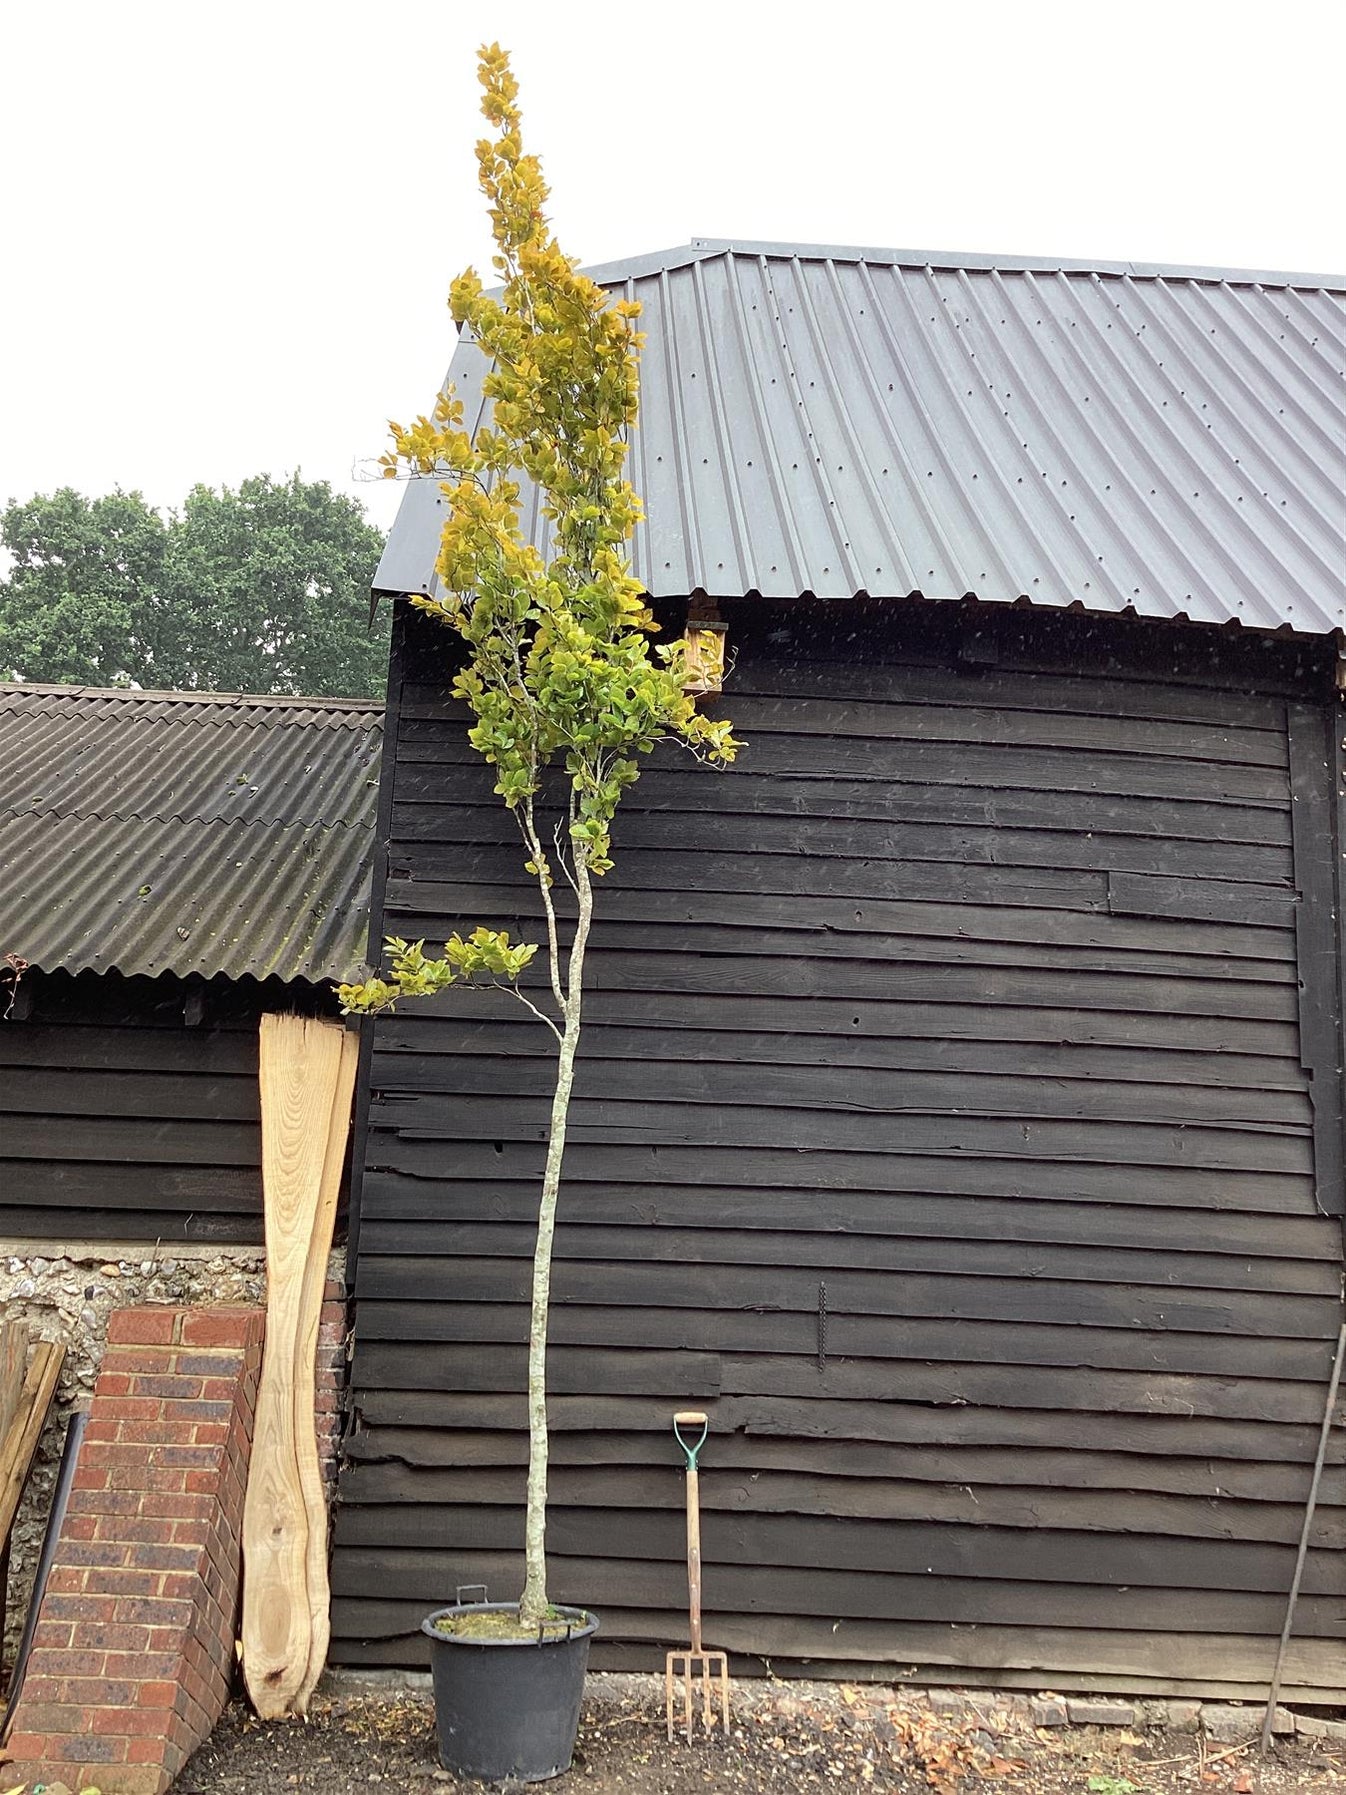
pixel 228 230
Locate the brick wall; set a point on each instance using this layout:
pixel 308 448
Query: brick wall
pixel 133 1654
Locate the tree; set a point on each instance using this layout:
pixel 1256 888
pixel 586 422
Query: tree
pixel 275 580
pixel 559 673
pixel 79 605
pixel 263 589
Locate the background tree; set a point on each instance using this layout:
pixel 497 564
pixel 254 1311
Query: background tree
pixel 79 604
pixel 263 589
pixel 559 673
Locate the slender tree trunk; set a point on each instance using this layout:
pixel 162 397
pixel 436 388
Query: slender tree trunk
pixel 533 1603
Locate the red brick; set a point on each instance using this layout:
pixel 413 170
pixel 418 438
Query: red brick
pixel 164 1477
pixel 130 1408
pixel 158 1695
pixel 27 1748
pixel 149 1749
pixel 158 1667
pixel 85 1748
pixel 120 1581
pixel 143 1326
pixel 103 1502
pixel 182 1458
pixel 104 1431
pixel 49 1717
pixel 115 1636
pixel 42 1688
pixel 152 1361
pixel 130 1723
pixel 77 1608
pixel 227 1325
pixel 166 1386
pixel 101 1553
pixel 98 1692
pixel 84 1663
pixel 164 1558
pixel 110 1453
pixel 173 1507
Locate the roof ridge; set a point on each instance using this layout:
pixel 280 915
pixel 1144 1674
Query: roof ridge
pixel 165 695
pixel 706 248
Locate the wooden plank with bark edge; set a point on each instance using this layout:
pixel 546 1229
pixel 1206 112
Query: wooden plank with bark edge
pixel 300 1064
pixel 19 1442
pixel 305 1380
pixel 13 1364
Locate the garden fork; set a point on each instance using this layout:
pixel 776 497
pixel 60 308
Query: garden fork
pixel 696 1664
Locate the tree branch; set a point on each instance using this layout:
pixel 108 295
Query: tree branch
pixel 528 824
pixel 528 1004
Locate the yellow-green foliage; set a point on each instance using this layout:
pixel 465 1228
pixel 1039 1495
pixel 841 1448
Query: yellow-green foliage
pixel 560 670
pixel 486 953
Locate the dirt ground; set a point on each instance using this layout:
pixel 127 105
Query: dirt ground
pixel 783 1738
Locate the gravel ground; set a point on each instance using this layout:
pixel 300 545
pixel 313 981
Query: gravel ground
pixel 783 1738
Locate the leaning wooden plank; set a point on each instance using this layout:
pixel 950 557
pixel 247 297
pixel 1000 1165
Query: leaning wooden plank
pixel 300 1061
pixel 13 1364
pixel 305 1381
pixel 20 1439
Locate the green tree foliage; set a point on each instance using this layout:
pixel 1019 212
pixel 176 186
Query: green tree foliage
pixel 567 691
pixel 81 604
pixel 263 589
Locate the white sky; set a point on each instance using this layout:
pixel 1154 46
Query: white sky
pixel 228 230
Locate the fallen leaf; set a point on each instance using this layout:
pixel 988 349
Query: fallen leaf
pixel 1244 1784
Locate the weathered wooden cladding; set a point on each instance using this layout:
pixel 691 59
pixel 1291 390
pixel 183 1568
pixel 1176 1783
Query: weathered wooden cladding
pixel 950 1124
pixel 129 1108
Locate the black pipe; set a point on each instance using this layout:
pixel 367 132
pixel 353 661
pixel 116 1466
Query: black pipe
pixel 65 1477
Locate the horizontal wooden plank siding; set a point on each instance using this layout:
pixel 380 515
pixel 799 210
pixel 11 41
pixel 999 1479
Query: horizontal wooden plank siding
pixel 954 1123
pixel 129 1108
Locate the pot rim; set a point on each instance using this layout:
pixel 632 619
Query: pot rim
pixel 587 1627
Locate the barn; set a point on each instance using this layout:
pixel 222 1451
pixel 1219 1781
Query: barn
pixel 960 1117
pixel 172 866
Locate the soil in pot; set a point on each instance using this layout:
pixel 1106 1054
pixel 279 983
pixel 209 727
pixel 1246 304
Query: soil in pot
pixel 507 1703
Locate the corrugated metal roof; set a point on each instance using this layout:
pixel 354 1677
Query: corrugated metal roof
pixel 841 421
pixel 153 832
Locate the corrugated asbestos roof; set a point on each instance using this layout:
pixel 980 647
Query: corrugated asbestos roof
pixel 840 421
pixel 152 832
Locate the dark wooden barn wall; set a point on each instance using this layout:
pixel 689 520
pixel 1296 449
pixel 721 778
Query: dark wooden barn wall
pixel 951 1124
pixel 129 1108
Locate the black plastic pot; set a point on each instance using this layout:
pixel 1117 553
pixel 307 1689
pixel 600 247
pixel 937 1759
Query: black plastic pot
pixel 508 1707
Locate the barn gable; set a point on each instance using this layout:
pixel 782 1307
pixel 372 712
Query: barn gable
pixel 959 1118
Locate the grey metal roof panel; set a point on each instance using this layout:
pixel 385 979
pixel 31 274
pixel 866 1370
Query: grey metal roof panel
pixel 1168 442
pixel 186 833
